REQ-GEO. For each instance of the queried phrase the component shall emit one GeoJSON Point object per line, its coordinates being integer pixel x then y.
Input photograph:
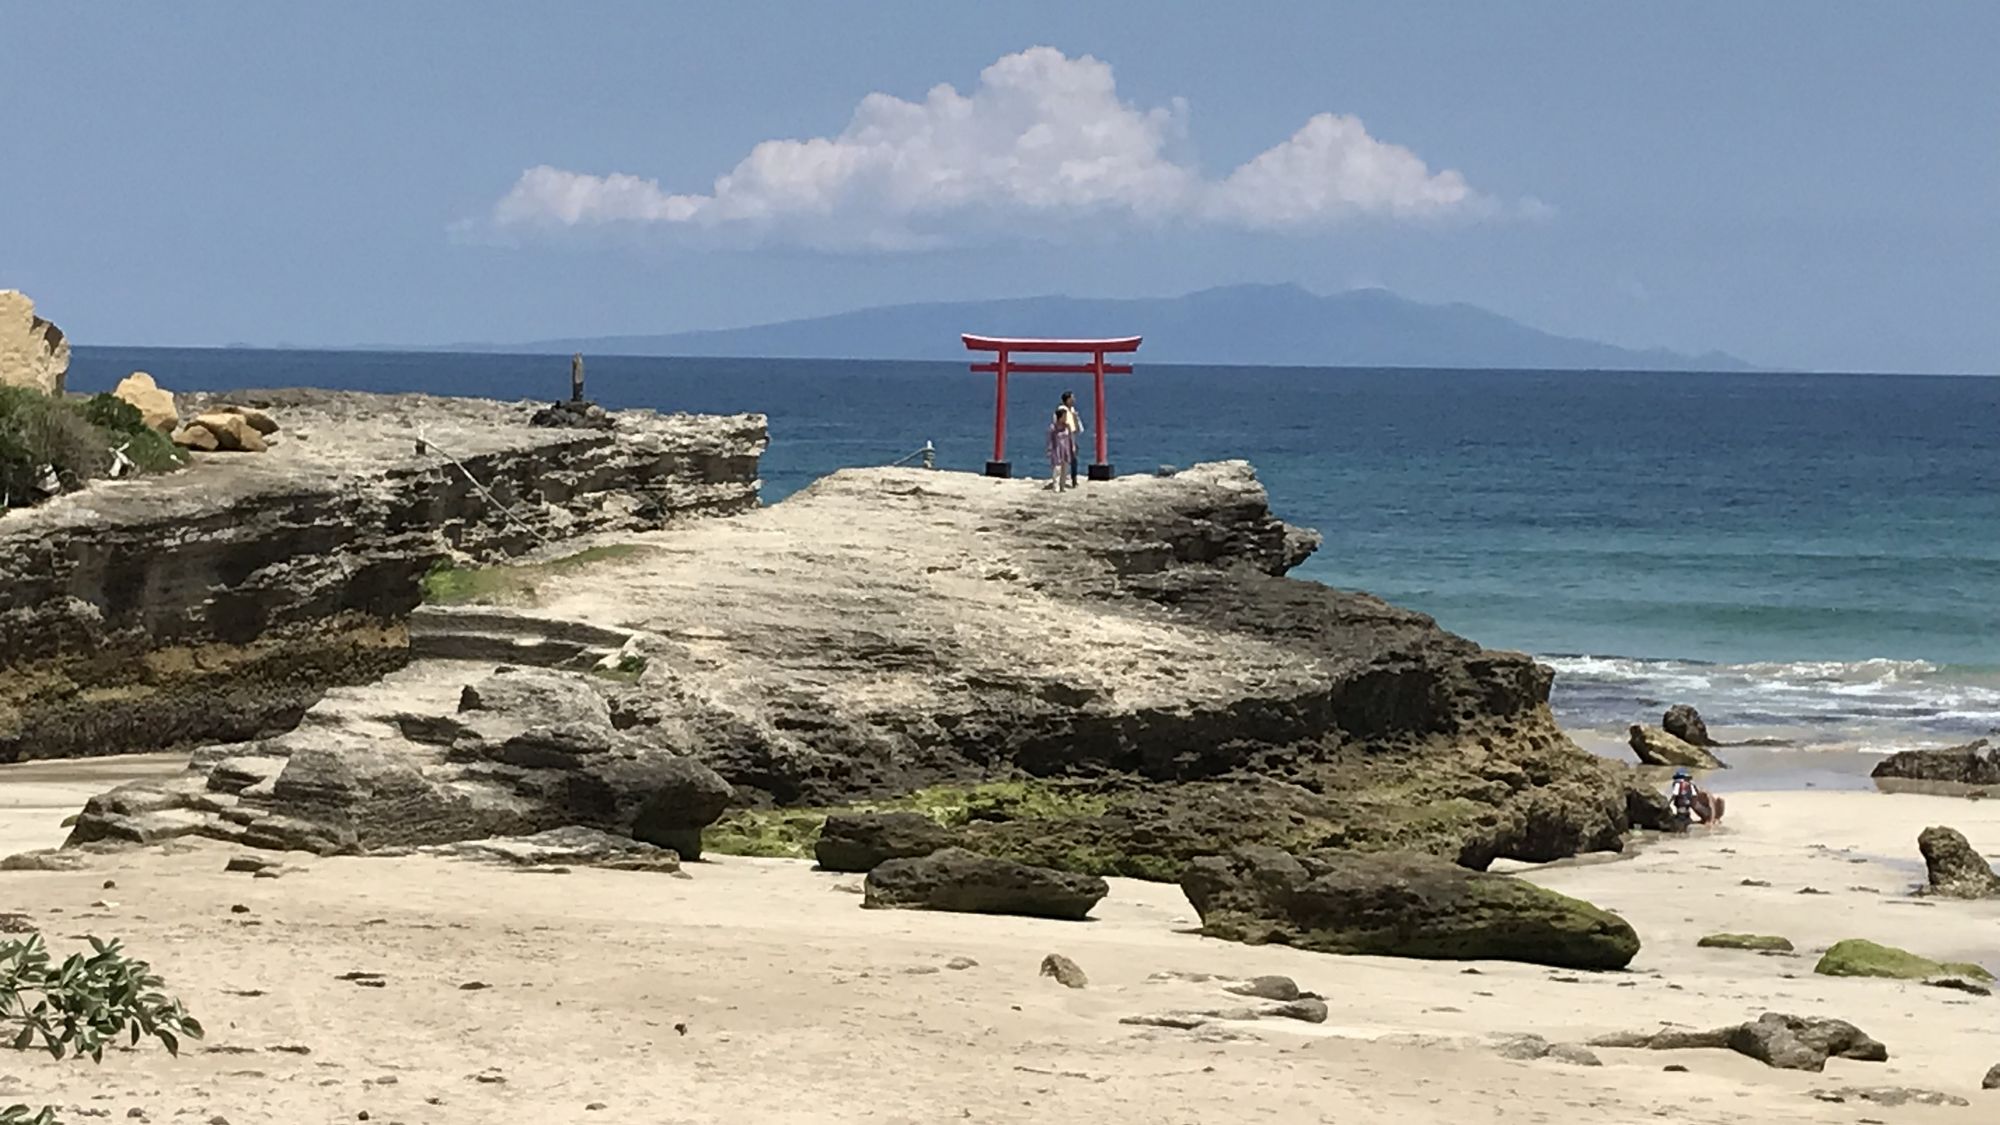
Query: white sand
{"type": "Point", "coordinates": [799, 1006]}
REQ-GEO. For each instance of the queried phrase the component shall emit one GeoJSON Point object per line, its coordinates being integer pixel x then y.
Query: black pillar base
{"type": "Point", "coordinates": [1001, 469]}
{"type": "Point", "coordinates": [1099, 470]}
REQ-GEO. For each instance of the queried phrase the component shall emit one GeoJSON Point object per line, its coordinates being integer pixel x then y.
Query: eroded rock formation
{"type": "Point", "coordinates": [217, 603]}
{"type": "Point", "coordinates": [33, 352]}
{"type": "Point", "coordinates": [1130, 658]}
{"type": "Point", "coordinates": [424, 759]}
{"type": "Point", "coordinates": [1954, 869]}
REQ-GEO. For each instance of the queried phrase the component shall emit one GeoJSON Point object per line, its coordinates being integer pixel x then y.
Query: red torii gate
{"type": "Point", "coordinates": [1002, 366]}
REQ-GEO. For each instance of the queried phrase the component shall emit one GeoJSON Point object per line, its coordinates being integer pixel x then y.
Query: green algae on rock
{"type": "Point", "coordinates": [1858, 957]}
{"type": "Point", "coordinates": [1762, 943]}
{"type": "Point", "coordinates": [1399, 905]}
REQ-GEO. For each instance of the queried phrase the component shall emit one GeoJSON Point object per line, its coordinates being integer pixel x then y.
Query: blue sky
{"type": "Point", "coordinates": [1811, 184]}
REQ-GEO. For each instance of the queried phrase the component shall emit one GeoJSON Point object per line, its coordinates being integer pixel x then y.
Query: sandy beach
{"type": "Point", "coordinates": [636, 997]}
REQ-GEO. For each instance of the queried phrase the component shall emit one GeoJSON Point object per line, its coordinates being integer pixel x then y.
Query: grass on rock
{"type": "Point", "coordinates": [791, 833]}
{"type": "Point", "coordinates": [487, 585]}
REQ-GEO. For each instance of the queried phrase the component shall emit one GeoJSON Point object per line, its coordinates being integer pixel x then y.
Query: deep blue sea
{"type": "Point", "coordinates": [1812, 557]}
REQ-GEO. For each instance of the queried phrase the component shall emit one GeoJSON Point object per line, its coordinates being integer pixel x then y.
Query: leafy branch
{"type": "Point", "coordinates": [76, 1008]}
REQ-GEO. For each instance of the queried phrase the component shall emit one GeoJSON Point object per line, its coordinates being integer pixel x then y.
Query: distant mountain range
{"type": "Point", "coordinates": [1237, 324]}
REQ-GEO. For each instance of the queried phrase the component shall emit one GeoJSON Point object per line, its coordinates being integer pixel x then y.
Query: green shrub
{"type": "Point", "coordinates": [109, 412]}
{"type": "Point", "coordinates": [80, 1006]}
{"type": "Point", "coordinates": [74, 439]}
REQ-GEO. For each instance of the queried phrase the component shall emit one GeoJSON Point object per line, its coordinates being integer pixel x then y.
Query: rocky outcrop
{"type": "Point", "coordinates": [1399, 905]}
{"type": "Point", "coordinates": [1132, 670]}
{"type": "Point", "coordinates": [1656, 747]}
{"type": "Point", "coordinates": [1975, 765]}
{"type": "Point", "coordinates": [886, 630]}
{"type": "Point", "coordinates": [217, 603]}
{"type": "Point", "coordinates": [1685, 723]}
{"type": "Point", "coordinates": [1955, 870]}
{"type": "Point", "coordinates": [424, 758]}
{"type": "Point", "coordinates": [862, 841]}
{"type": "Point", "coordinates": [155, 406]}
{"type": "Point", "coordinates": [969, 883]}
{"type": "Point", "coordinates": [33, 352]}
{"type": "Point", "coordinates": [1774, 1039]}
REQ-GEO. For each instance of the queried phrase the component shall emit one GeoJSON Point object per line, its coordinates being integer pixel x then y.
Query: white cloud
{"type": "Point", "coordinates": [1042, 141]}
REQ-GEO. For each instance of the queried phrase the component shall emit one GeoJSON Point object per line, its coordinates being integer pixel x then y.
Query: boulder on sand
{"type": "Point", "coordinates": [1974, 764]}
{"type": "Point", "coordinates": [1656, 747]}
{"type": "Point", "coordinates": [966, 882]}
{"type": "Point", "coordinates": [1858, 957]}
{"type": "Point", "coordinates": [1774, 1039]}
{"type": "Point", "coordinates": [862, 841]}
{"type": "Point", "coordinates": [155, 406]}
{"type": "Point", "coordinates": [1685, 723]}
{"type": "Point", "coordinates": [1956, 871]}
{"type": "Point", "coordinates": [1399, 905]}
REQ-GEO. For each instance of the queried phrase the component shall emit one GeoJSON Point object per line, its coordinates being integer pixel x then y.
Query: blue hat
{"type": "Point", "coordinates": [1682, 772]}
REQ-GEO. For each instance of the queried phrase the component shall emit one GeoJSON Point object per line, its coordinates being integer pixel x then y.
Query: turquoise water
{"type": "Point", "coordinates": [1813, 557]}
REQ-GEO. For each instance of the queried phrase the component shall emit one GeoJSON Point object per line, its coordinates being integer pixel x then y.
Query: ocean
{"type": "Point", "coordinates": [1812, 559]}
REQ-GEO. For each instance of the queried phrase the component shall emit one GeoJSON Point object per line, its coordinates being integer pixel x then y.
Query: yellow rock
{"type": "Point", "coordinates": [233, 432]}
{"type": "Point", "coordinates": [33, 352]}
{"type": "Point", "coordinates": [154, 405]}
{"type": "Point", "coordinates": [261, 422]}
{"type": "Point", "coordinates": [195, 437]}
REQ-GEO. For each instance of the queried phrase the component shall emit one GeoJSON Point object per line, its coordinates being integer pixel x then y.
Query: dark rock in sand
{"type": "Point", "coordinates": [1992, 1079]}
{"type": "Point", "coordinates": [1399, 905]}
{"type": "Point", "coordinates": [1774, 1039]}
{"type": "Point", "coordinates": [1656, 747]}
{"type": "Point", "coordinates": [1975, 764]}
{"type": "Point", "coordinates": [966, 882]}
{"type": "Point", "coordinates": [1266, 988]}
{"type": "Point", "coordinates": [1065, 971]}
{"type": "Point", "coordinates": [1956, 871]}
{"type": "Point", "coordinates": [1685, 723]}
{"type": "Point", "coordinates": [861, 841]}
